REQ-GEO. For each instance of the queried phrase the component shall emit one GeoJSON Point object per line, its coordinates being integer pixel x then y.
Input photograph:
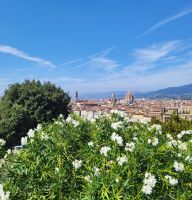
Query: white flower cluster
{"type": "Point", "coordinates": [24, 140]}
{"type": "Point", "coordinates": [188, 159]}
{"type": "Point", "coordinates": [2, 161]}
{"type": "Point", "coordinates": [179, 167]}
{"type": "Point", "coordinates": [90, 118]}
{"type": "Point", "coordinates": [77, 163]}
{"type": "Point", "coordinates": [171, 141]}
{"type": "Point", "coordinates": [116, 125]}
{"type": "Point", "coordinates": [172, 181]}
{"type": "Point", "coordinates": [3, 195]}
{"type": "Point", "coordinates": [157, 127]}
{"type": "Point", "coordinates": [88, 179]}
{"type": "Point", "coordinates": [90, 144]}
{"type": "Point", "coordinates": [39, 127]}
{"type": "Point", "coordinates": [144, 120]}
{"type": "Point", "coordinates": [121, 160]}
{"type": "Point", "coordinates": [118, 112]}
{"type": "Point", "coordinates": [182, 146]}
{"type": "Point", "coordinates": [117, 138]}
{"type": "Point", "coordinates": [96, 171]}
{"type": "Point", "coordinates": [31, 133]}
{"type": "Point", "coordinates": [104, 150]}
{"type": "Point", "coordinates": [182, 133]}
{"type": "Point", "coordinates": [149, 183]}
{"type": "Point", "coordinates": [130, 146]}
{"type": "Point", "coordinates": [2, 142]}
{"type": "Point", "coordinates": [59, 123]}
{"type": "Point", "coordinates": [44, 136]}
{"type": "Point", "coordinates": [74, 122]}
{"type": "Point", "coordinates": [153, 141]}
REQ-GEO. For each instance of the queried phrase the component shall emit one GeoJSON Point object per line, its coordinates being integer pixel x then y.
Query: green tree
{"type": "Point", "coordinates": [175, 124]}
{"type": "Point", "coordinates": [25, 105]}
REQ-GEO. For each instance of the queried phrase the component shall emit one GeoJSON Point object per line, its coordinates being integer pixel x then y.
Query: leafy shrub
{"type": "Point", "coordinates": [25, 105]}
{"type": "Point", "coordinates": [110, 158]}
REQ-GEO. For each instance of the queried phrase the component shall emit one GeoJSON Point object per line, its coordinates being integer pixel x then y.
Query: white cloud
{"type": "Point", "coordinates": [155, 51]}
{"type": "Point", "coordinates": [165, 21]}
{"type": "Point", "coordinates": [99, 61]}
{"type": "Point", "coordinates": [15, 52]}
{"type": "Point", "coordinates": [152, 56]}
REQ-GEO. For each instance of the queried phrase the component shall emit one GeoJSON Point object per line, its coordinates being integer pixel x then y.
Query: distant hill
{"type": "Point", "coordinates": [181, 92]}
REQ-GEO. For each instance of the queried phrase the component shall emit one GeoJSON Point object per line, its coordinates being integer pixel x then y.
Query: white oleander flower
{"type": "Point", "coordinates": [59, 123]}
{"type": "Point", "coordinates": [146, 189]}
{"type": "Point", "coordinates": [188, 159]}
{"type": "Point", "coordinates": [120, 113]}
{"type": "Point", "coordinates": [24, 140]}
{"type": "Point", "coordinates": [61, 116]}
{"type": "Point", "coordinates": [116, 125]}
{"type": "Point", "coordinates": [149, 141]}
{"type": "Point", "coordinates": [90, 144]}
{"type": "Point", "coordinates": [68, 119]}
{"type": "Point", "coordinates": [172, 143]}
{"type": "Point", "coordinates": [121, 160]}
{"type": "Point", "coordinates": [88, 179]}
{"type": "Point", "coordinates": [135, 138]}
{"type": "Point", "coordinates": [172, 181]}
{"type": "Point", "coordinates": [157, 127]}
{"type": "Point", "coordinates": [179, 167]}
{"type": "Point", "coordinates": [9, 151]}
{"type": "Point", "coordinates": [104, 150]}
{"type": "Point", "coordinates": [31, 133]}
{"type": "Point", "coordinates": [117, 138]}
{"type": "Point", "coordinates": [3, 195]}
{"type": "Point", "coordinates": [179, 135]}
{"type": "Point", "coordinates": [130, 146]}
{"type": "Point", "coordinates": [39, 127]}
{"type": "Point", "coordinates": [2, 161]}
{"type": "Point", "coordinates": [149, 183]}
{"type": "Point", "coordinates": [117, 180]}
{"type": "Point", "coordinates": [2, 142]}
{"type": "Point", "coordinates": [5, 156]}
{"type": "Point", "coordinates": [179, 155]}
{"type": "Point", "coordinates": [155, 141]}
{"type": "Point", "coordinates": [75, 123]}
{"type": "Point", "coordinates": [56, 169]}
{"type": "Point", "coordinates": [44, 136]}
{"type": "Point", "coordinates": [182, 146]}
{"type": "Point", "coordinates": [96, 171]}
{"type": "Point", "coordinates": [169, 136]}
{"type": "Point", "coordinates": [77, 163]}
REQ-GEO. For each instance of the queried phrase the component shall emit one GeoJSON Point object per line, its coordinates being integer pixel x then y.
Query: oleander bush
{"type": "Point", "coordinates": [109, 158]}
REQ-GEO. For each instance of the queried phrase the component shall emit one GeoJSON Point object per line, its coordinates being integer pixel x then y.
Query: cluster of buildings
{"type": "Point", "coordinates": [136, 109]}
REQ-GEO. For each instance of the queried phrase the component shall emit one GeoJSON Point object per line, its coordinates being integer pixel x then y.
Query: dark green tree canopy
{"type": "Point", "coordinates": [25, 105]}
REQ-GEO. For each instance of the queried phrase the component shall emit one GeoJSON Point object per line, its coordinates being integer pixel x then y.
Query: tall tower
{"type": "Point", "coordinates": [113, 99]}
{"type": "Point", "coordinates": [76, 96]}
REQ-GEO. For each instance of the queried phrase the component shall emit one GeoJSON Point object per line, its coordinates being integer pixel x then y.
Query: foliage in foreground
{"type": "Point", "coordinates": [25, 105]}
{"type": "Point", "coordinates": [110, 158]}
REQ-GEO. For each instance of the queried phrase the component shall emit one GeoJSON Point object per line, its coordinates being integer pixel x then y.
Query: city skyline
{"type": "Point", "coordinates": [96, 46]}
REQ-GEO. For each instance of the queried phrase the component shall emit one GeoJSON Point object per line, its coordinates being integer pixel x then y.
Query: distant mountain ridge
{"type": "Point", "coordinates": [181, 92]}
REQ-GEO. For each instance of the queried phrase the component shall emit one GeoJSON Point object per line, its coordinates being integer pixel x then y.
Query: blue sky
{"type": "Point", "coordinates": [97, 45]}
